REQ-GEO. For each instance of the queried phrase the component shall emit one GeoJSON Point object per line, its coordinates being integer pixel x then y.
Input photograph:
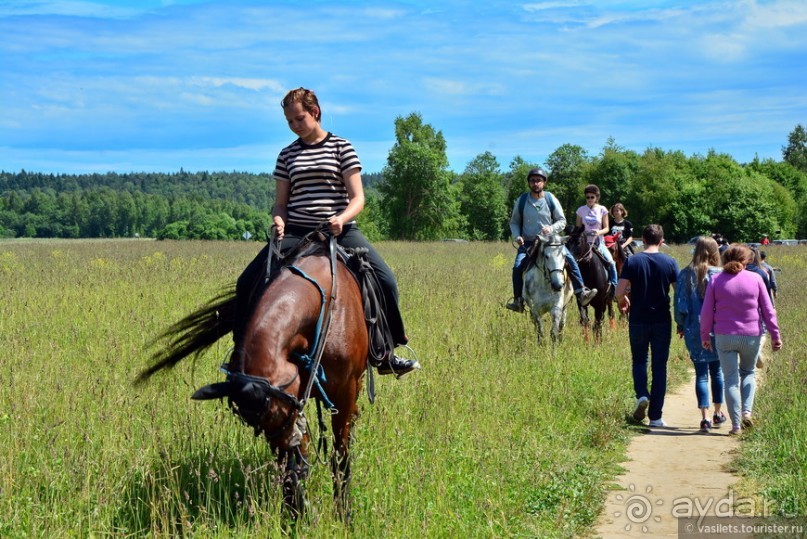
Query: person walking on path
{"type": "Point", "coordinates": [771, 273]}
{"type": "Point", "coordinates": [735, 305]}
{"type": "Point", "coordinates": [648, 277]}
{"type": "Point", "coordinates": [538, 212]}
{"type": "Point", "coordinates": [689, 291]}
{"type": "Point", "coordinates": [756, 266]}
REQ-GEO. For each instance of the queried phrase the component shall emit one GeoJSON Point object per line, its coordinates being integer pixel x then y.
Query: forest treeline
{"type": "Point", "coordinates": [416, 196]}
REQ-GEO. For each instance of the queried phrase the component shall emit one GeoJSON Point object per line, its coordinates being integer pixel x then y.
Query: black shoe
{"type": "Point", "coordinates": [516, 305]}
{"type": "Point", "coordinates": [398, 366]}
{"type": "Point", "coordinates": [586, 295]}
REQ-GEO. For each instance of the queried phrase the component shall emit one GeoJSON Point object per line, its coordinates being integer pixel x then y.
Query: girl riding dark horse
{"type": "Point", "coordinates": [595, 275]}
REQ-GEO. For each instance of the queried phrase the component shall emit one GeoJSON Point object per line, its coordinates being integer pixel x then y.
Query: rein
{"type": "Point", "coordinates": [314, 363]}
{"type": "Point", "coordinates": [311, 362]}
{"type": "Point", "coordinates": [548, 272]}
{"type": "Point", "coordinates": [532, 255]}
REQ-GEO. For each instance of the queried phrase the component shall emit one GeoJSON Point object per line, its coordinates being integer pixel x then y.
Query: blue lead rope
{"type": "Point", "coordinates": [306, 360]}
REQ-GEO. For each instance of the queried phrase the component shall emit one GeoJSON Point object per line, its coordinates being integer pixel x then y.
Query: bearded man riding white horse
{"type": "Point", "coordinates": [538, 213]}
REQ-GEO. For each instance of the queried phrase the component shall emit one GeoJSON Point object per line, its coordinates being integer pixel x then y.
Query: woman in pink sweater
{"type": "Point", "coordinates": [734, 307]}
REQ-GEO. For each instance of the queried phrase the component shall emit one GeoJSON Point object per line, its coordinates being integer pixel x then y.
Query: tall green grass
{"type": "Point", "coordinates": [495, 437]}
{"type": "Point", "coordinates": [773, 459]}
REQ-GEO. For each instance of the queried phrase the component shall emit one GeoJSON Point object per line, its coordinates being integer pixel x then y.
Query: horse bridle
{"type": "Point", "coordinates": [312, 363]}
{"type": "Point", "coordinates": [548, 272]}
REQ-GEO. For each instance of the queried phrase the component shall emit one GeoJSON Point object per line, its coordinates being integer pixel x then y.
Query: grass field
{"type": "Point", "coordinates": [495, 437]}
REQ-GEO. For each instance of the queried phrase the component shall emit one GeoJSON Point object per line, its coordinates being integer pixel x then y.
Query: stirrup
{"type": "Point", "coordinates": [404, 366]}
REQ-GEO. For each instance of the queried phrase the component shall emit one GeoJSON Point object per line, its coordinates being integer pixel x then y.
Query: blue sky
{"type": "Point", "coordinates": [149, 85]}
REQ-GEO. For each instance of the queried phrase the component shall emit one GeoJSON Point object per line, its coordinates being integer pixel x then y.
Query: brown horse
{"type": "Point", "coordinates": [595, 275]}
{"type": "Point", "coordinates": [309, 319]}
{"type": "Point", "coordinates": [612, 243]}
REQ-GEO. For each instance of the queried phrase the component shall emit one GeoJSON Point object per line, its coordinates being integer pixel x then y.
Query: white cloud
{"type": "Point", "coordinates": [459, 87]}
{"type": "Point", "coordinates": [542, 6]}
{"type": "Point", "coordinates": [382, 13]}
{"type": "Point", "coordinates": [64, 7]}
{"type": "Point", "coordinates": [247, 83]}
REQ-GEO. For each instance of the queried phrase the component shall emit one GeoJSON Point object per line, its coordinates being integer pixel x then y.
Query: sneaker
{"type": "Point", "coordinates": [585, 295]}
{"type": "Point", "coordinates": [718, 419]}
{"type": "Point", "coordinates": [657, 423]}
{"type": "Point", "coordinates": [760, 362]}
{"type": "Point", "coordinates": [516, 305]}
{"type": "Point", "coordinates": [747, 421]}
{"type": "Point", "coordinates": [398, 366]}
{"type": "Point", "coordinates": [735, 431]}
{"type": "Point", "coordinates": [706, 425]}
{"type": "Point", "coordinates": [641, 408]}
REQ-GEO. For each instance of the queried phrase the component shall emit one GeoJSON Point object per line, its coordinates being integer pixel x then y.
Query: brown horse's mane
{"type": "Point", "coordinates": [313, 245]}
{"type": "Point", "coordinates": [198, 331]}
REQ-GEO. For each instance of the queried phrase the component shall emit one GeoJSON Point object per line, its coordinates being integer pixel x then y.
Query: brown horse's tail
{"type": "Point", "coordinates": [193, 334]}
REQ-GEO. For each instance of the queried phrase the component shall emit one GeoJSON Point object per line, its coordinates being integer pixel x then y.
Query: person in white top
{"type": "Point", "coordinates": [594, 217]}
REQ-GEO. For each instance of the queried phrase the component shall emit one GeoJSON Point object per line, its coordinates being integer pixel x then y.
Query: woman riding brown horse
{"type": "Point", "coordinates": [306, 337]}
{"type": "Point", "coordinates": [595, 275]}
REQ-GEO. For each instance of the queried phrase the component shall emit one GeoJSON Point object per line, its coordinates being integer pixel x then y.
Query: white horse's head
{"type": "Point", "coordinates": [551, 259]}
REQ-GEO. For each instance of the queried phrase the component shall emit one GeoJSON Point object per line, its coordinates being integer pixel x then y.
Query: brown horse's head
{"type": "Point", "coordinates": [578, 245]}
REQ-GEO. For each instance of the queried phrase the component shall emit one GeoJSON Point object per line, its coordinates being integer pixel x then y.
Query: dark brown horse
{"type": "Point", "coordinates": [595, 275]}
{"type": "Point", "coordinates": [310, 317]}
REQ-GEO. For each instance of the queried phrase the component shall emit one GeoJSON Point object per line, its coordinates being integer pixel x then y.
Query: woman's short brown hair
{"type": "Point", "coordinates": [307, 98]}
{"type": "Point", "coordinates": [593, 189]}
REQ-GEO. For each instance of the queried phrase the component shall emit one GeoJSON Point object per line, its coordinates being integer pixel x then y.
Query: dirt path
{"type": "Point", "coordinates": [677, 466]}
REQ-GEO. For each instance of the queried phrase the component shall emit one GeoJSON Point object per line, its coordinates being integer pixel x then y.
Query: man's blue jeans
{"type": "Point", "coordinates": [655, 339]}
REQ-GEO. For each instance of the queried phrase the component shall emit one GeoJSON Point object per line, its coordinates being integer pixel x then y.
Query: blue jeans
{"type": "Point", "coordinates": [738, 358]}
{"type": "Point", "coordinates": [518, 270]}
{"type": "Point", "coordinates": [656, 339]}
{"type": "Point", "coordinates": [704, 370]}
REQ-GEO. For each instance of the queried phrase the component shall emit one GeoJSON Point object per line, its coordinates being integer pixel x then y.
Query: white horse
{"type": "Point", "coordinates": [547, 287]}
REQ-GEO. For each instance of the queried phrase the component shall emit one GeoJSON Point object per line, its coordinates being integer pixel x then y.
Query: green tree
{"type": "Point", "coordinates": [568, 168]}
{"type": "Point", "coordinates": [371, 220]}
{"type": "Point", "coordinates": [419, 200]}
{"type": "Point", "coordinates": [482, 198]}
{"type": "Point", "coordinates": [794, 182]}
{"type": "Point", "coordinates": [658, 179]}
{"type": "Point", "coordinates": [740, 201]}
{"type": "Point", "coordinates": [795, 152]}
{"type": "Point", "coordinates": [613, 172]}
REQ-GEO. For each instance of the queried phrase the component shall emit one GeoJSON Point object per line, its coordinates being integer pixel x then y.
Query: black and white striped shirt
{"type": "Point", "coordinates": [317, 191]}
